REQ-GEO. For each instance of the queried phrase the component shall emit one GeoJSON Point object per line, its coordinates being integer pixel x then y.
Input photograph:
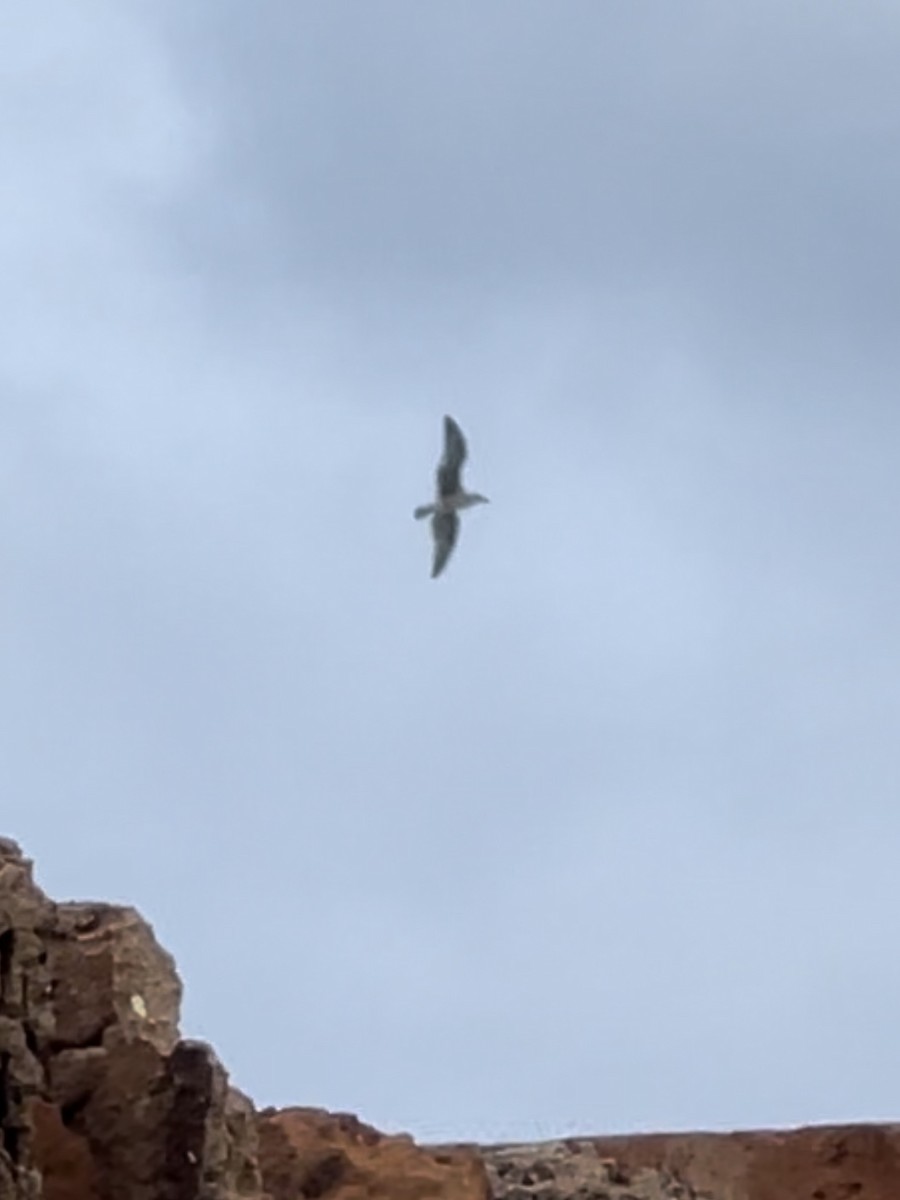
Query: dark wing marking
{"type": "Point", "coordinates": [450, 469]}
{"type": "Point", "coordinates": [444, 528]}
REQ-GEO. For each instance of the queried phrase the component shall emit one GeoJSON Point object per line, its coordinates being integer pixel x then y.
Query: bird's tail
{"type": "Point", "coordinates": [424, 510]}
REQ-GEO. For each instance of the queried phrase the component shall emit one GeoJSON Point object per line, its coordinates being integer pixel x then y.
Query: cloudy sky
{"type": "Point", "coordinates": [599, 831]}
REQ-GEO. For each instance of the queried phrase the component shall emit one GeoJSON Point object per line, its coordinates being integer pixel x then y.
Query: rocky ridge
{"type": "Point", "coordinates": [101, 1099]}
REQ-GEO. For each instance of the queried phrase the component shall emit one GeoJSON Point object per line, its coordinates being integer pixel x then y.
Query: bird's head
{"type": "Point", "coordinates": [477, 498]}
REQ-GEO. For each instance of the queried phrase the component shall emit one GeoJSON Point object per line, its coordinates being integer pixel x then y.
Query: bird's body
{"type": "Point", "coordinates": [450, 497]}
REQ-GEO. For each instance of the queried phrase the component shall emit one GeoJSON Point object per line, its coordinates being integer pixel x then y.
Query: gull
{"type": "Point", "coordinates": [450, 497]}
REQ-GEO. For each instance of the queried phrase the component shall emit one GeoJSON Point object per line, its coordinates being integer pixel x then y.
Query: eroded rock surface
{"type": "Point", "coordinates": [847, 1162]}
{"type": "Point", "coordinates": [305, 1152]}
{"type": "Point", "coordinates": [575, 1169]}
{"type": "Point", "coordinates": [818, 1163]}
{"type": "Point", "coordinates": [99, 1098]}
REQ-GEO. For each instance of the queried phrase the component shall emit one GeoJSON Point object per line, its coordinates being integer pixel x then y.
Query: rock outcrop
{"type": "Point", "coordinates": [577, 1169]}
{"type": "Point", "coordinates": [848, 1162]}
{"type": "Point", "coordinates": [821, 1162]}
{"type": "Point", "coordinates": [307, 1152]}
{"type": "Point", "coordinates": [101, 1099]}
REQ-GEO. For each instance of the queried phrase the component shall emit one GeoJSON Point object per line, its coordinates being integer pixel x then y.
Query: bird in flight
{"type": "Point", "coordinates": [450, 497]}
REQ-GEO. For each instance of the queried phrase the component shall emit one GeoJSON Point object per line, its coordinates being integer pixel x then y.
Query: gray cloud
{"type": "Point", "coordinates": [598, 832]}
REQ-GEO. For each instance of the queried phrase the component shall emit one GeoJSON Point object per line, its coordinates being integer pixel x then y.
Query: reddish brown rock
{"type": "Point", "coordinates": [817, 1163]}
{"type": "Point", "coordinates": [306, 1153]}
{"type": "Point", "coordinates": [850, 1162]}
{"type": "Point", "coordinates": [68, 1170]}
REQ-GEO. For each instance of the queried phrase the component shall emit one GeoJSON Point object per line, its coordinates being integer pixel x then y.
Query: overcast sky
{"type": "Point", "coordinates": [599, 831]}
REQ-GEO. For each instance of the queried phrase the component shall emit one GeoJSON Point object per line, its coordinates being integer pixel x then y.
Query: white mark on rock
{"type": "Point", "coordinates": [138, 1006]}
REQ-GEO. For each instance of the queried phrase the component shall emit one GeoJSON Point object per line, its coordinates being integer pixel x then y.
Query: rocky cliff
{"type": "Point", "coordinates": [100, 1099]}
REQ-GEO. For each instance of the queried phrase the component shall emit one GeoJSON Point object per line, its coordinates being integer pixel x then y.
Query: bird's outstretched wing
{"type": "Point", "coordinates": [444, 529]}
{"type": "Point", "coordinates": [450, 468]}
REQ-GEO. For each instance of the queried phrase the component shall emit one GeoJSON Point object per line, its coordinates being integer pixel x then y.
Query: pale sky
{"type": "Point", "coordinates": [599, 831]}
